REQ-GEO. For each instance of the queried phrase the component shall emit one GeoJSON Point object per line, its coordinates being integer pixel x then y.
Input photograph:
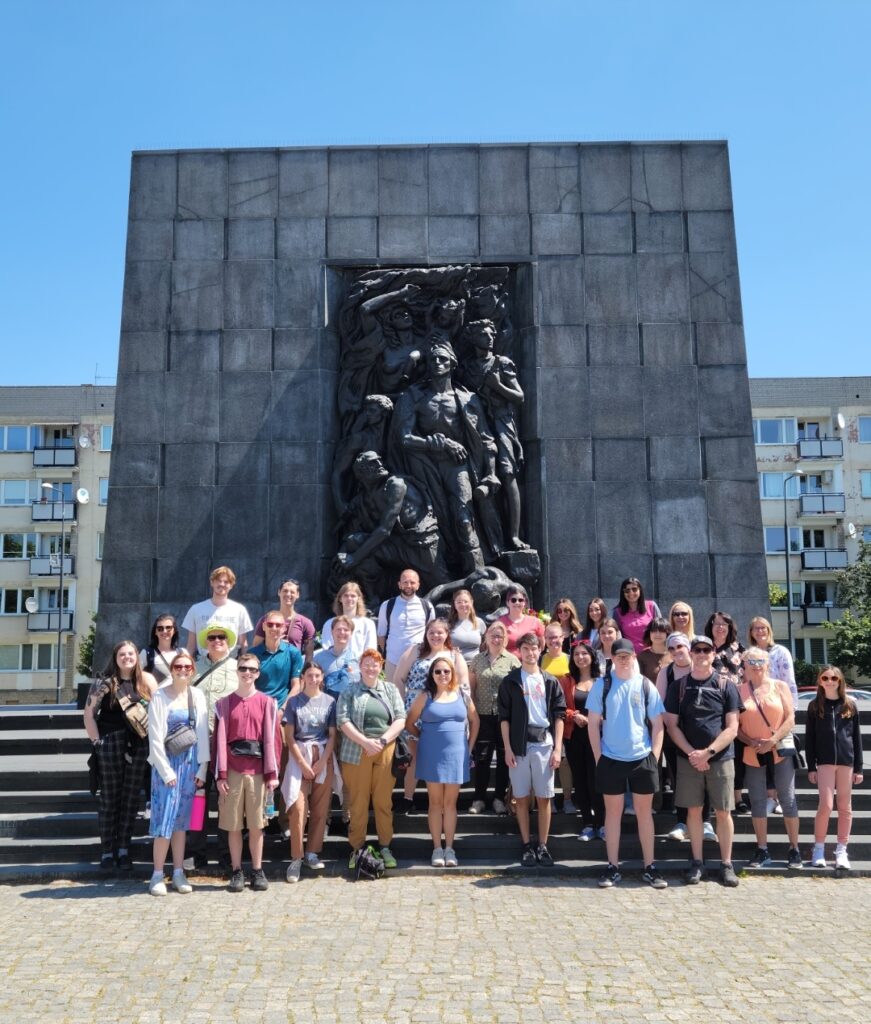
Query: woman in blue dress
{"type": "Point", "coordinates": [175, 777]}
{"type": "Point", "coordinates": [446, 722]}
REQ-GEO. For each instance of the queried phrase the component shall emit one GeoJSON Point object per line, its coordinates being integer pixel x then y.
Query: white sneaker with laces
{"type": "Point", "coordinates": [679, 832]}
{"type": "Point", "coordinates": [478, 807]}
{"type": "Point", "coordinates": [313, 862]}
{"type": "Point", "coordinates": [293, 871]}
{"type": "Point", "coordinates": [842, 861]}
{"type": "Point", "coordinates": [818, 857]}
{"type": "Point", "coordinates": [180, 883]}
{"type": "Point", "coordinates": [438, 857]}
{"type": "Point", "coordinates": [770, 804]}
{"type": "Point", "coordinates": [157, 885]}
{"type": "Point", "coordinates": [450, 857]}
{"type": "Point", "coordinates": [708, 831]}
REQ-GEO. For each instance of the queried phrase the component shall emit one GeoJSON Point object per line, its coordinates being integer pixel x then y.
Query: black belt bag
{"type": "Point", "coordinates": [536, 734]}
{"type": "Point", "coordinates": [246, 748]}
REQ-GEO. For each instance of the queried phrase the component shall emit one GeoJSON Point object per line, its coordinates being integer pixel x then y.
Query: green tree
{"type": "Point", "coordinates": [776, 595]}
{"type": "Point", "coordinates": [85, 664]}
{"type": "Point", "coordinates": [850, 644]}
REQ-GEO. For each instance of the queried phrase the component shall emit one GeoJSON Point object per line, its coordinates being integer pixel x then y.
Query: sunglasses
{"type": "Point", "coordinates": [701, 650]}
{"type": "Point", "coordinates": [516, 600]}
{"type": "Point", "coordinates": [247, 668]}
{"type": "Point", "coordinates": [681, 615]}
{"type": "Point", "coordinates": [441, 672]}
{"type": "Point", "coordinates": [213, 638]}
{"type": "Point", "coordinates": [755, 662]}
{"type": "Point", "coordinates": [829, 679]}
{"type": "Point", "coordinates": [274, 625]}
{"type": "Point", "coordinates": [163, 629]}
{"type": "Point", "coordinates": [182, 668]}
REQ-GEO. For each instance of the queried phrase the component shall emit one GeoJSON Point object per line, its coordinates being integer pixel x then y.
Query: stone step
{"type": "Point", "coordinates": [39, 716]}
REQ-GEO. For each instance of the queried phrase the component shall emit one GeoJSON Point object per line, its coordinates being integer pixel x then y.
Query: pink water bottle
{"type": "Point", "coordinates": [198, 811]}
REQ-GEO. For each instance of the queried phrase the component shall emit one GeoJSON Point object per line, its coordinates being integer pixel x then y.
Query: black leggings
{"type": "Point", "coordinates": [579, 754]}
{"type": "Point", "coordinates": [490, 740]}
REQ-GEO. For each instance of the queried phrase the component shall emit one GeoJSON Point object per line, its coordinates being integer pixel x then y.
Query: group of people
{"type": "Point", "coordinates": [619, 707]}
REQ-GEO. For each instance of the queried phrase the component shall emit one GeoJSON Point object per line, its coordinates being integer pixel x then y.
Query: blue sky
{"type": "Point", "coordinates": [83, 84]}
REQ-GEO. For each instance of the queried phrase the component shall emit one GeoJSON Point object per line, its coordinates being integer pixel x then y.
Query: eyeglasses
{"type": "Point", "coordinates": [755, 662]}
{"type": "Point", "coordinates": [182, 668]}
{"type": "Point", "coordinates": [441, 672]}
{"type": "Point", "coordinates": [213, 638]}
{"type": "Point", "coordinates": [829, 679]}
{"type": "Point", "coordinates": [274, 625]}
{"type": "Point", "coordinates": [247, 668]}
{"type": "Point", "coordinates": [163, 629]}
{"type": "Point", "coordinates": [517, 600]}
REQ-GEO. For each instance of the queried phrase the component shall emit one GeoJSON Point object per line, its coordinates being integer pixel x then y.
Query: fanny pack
{"type": "Point", "coordinates": [536, 734]}
{"type": "Point", "coordinates": [135, 710]}
{"type": "Point", "coordinates": [246, 748]}
{"type": "Point", "coordinates": [183, 736]}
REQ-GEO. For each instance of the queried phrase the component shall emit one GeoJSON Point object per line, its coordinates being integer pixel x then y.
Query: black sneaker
{"type": "Point", "coordinates": [653, 878]}
{"type": "Point", "coordinates": [542, 855]}
{"type": "Point", "coordinates": [693, 874]}
{"type": "Point", "coordinates": [107, 862]}
{"type": "Point", "coordinates": [760, 859]}
{"type": "Point", "coordinates": [201, 861]}
{"type": "Point", "coordinates": [728, 876]}
{"type": "Point", "coordinates": [124, 862]}
{"type": "Point", "coordinates": [610, 876]}
{"type": "Point", "coordinates": [259, 881]}
{"type": "Point", "coordinates": [793, 859]}
{"type": "Point", "coordinates": [237, 881]}
{"type": "Point", "coordinates": [742, 807]}
{"type": "Point", "coordinates": [528, 858]}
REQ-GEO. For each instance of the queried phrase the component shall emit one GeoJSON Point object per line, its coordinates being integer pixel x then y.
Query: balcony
{"type": "Point", "coordinates": [817, 614]}
{"type": "Point", "coordinates": [821, 448]}
{"type": "Point", "coordinates": [50, 566]}
{"type": "Point", "coordinates": [51, 456]}
{"type": "Point", "coordinates": [53, 511]}
{"type": "Point", "coordinates": [821, 504]}
{"type": "Point", "coordinates": [47, 622]}
{"type": "Point", "coordinates": [824, 558]}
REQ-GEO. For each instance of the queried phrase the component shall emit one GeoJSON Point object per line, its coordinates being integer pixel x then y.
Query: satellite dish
{"type": "Point", "coordinates": [82, 496]}
{"type": "Point", "coordinates": [31, 604]}
{"type": "Point", "coordinates": [840, 422]}
{"type": "Point", "coordinates": [84, 441]}
{"type": "Point", "coordinates": [851, 530]}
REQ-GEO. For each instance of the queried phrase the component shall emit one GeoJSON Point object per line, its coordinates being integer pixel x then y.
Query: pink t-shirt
{"type": "Point", "coordinates": [633, 623]}
{"type": "Point", "coordinates": [525, 624]}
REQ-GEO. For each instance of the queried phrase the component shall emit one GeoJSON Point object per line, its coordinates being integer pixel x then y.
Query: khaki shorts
{"type": "Point", "coordinates": [243, 804]}
{"type": "Point", "coordinates": [718, 781]}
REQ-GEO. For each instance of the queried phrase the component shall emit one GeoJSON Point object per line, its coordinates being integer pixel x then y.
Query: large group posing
{"type": "Point", "coordinates": [619, 705]}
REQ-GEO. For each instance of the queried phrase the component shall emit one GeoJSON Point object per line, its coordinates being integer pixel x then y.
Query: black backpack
{"type": "Point", "coordinates": [391, 604]}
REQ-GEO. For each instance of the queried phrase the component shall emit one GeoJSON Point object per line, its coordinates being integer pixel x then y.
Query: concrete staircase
{"type": "Point", "coordinates": [48, 819]}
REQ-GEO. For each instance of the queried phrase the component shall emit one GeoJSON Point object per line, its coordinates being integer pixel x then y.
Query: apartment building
{"type": "Point", "coordinates": [813, 455]}
{"type": "Point", "coordinates": [55, 445]}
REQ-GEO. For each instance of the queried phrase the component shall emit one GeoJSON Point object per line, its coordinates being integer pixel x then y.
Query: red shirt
{"type": "Point", "coordinates": [525, 624]}
{"type": "Point", "coordinates": [248, 718]}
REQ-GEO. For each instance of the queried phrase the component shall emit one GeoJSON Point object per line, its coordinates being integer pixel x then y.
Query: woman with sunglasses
{"type": "Point", "coordinates": [597, 612]}
{"type": "Point", "coordinates": [723, 633]}
{"type": "Point", "coordinates": [162, 648]}
{"type": "Point", "coordinates": [833, 745]}
{"type": "Point", "coordinates": [780, 665]}
{"type": "Point", "coordinates": [682, 620]}
{"type": "Point", "coordinates": [566, 616]}
{"type": "Point", "coordinates": [446, 723]}
{"type": "Point", "coordinates": [766, 719]}
{"type": "Point", "coordinates": [583, 669]}
{"type": "Point", "coordinates": [517, 619]}
{"type": "Point", "coordinates": [634, 613]}
{"type": "Point", "coordinates": [175, 778]}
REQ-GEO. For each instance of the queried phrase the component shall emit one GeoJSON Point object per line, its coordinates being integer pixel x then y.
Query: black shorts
{"type": "Point", "coordinates": [641, 775]}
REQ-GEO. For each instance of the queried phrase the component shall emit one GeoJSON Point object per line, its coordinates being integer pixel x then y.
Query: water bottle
{"type": "Point", "coordinates": [270, 811]}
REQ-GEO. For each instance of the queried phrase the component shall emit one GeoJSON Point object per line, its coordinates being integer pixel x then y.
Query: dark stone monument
{"type": "Point", "coordinates": [541, 344]}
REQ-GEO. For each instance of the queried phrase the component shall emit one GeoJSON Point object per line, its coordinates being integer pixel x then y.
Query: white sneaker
{"type": "Point", "coordinates": [438, 857]}
{"type": "Point", "coordinates": [842, 861]}
{"type": "Point", "coordinates": [157, 885]}
{"type": "Point", "coordinates": [818, 857]}
{"type": "Point", "coordinates": [478, 807]}
{"type": "Point", "coordinates": [499, 807]}
{"type": "Point", "coordinates": [587, 834]}
{"type": "Point", "coordinates": [188, 864]}
{"type": "Point", "coordinates": [180, 883]}
{"type": "Point", "coordinates": [770, 805]}
{"type": "Point", "coordinates": [708, 831]}
{"type": "Point", "coordinates": [569, 807]}
{"type": "Point", "coordinates": [450, 857]}
{"type": "Point", "coordinates": [313, 862]}
{"type": "Point", "coordinates": [629, 809]}
{"type": "Point", "coordinates": [293, 870]}
{"type": "Point", "coordinates": [679, 832]}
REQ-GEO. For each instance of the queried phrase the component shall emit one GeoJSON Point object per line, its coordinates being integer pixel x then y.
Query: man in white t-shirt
{"type": "Point", "coordinates": [219, 610]}
{"type": "Point", "coordinates": [402, 621]}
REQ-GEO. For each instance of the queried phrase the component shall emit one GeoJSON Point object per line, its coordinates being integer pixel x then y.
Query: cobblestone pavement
{"type": "Point", "coordinates": [448, 950]}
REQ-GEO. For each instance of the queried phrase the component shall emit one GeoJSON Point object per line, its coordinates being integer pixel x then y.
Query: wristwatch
{"type": "Point", "coordinates": [711, 752]}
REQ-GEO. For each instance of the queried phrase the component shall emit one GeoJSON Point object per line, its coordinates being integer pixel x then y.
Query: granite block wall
{"type": "Point", "coordinates": [629, 341]}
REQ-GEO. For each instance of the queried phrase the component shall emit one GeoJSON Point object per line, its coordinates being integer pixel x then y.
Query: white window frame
{"type": "Point", "coordinates": [792, 486]}
{"type": "Point", "coordinates": [865, 483]}
{"type": "Point", "coordinates": [794, 541]}
{"type": "Point", "coordinates": [26, 540]}
{"type": "Point", "coordinates": [796, 588]}
{"type": "Point", "coordinates": [104, 490]}
{"type": "Point", "coordinates": [31, 493]}
{"type": "Point", "coordinates": [864, 429]}
{"type": "Point", "coordinates": [786, 428]}
{"type": "Point", "coordinates": [106, 437]}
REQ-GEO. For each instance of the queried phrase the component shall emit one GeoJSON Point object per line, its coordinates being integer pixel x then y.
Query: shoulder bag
{"type": "Point", "coordinates": [183, 736]}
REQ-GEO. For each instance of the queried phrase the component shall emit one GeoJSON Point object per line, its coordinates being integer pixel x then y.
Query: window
{"type": "Point", "coordinates": [100, 541]}
{"type": "Point", "coordinates": [18, 545]}
{"type": "Point", "coordinates": [48, 600]}
{"type": "Point", "coordinates": [49, 544]}
{"type": "Point", "coordinates": [795, 587]}
{"type": "Point", "coordinates": [57, 437]}
{"type": "Point", "coordinates": [815, 593]}
{"type": "Point", "coordinates": [774, 539]}
{"type": "Point", "coordinates": [813, 538]}
{"type": "Point", "coordinates": [106, 438]}
{"type": "Point", "coordinates": [104, 490]}
{"type": "Point", "coordinates": [771, 485]}
{"type": "Point", "coordinates": [779, 431]}
{"type": "Point", "coordinates": [58, 488]}
{"type": "Point", "coordinates": [866, 534]}
{"type": "Point", "coordinates": [13, 601]}
{"type": "Point", "coordinates": [818, 652]}
{"type": "Point", "coordinates": [18, 492]}
{"type": "Point", "coordinates": [808, 430]}
{"type": "Point", "coordinates": [10, 657]}
{"type": "Point", "coordinates": [20, 658]}
{"type": "Point", "coordinates": [865, 429]}
{"type": "Point", "coordinates": [16, 439]}
{"type": "Point", "coordinates": [865, 479]}
{"type": "Point", "coordinates": [812, 483]}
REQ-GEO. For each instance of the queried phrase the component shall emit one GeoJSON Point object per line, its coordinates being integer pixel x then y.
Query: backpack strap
{"type": "Point", "coordinates": [391, 604]}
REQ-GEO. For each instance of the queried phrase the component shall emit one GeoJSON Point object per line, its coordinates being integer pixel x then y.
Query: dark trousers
{"type": "Point", "coordinates": [197, 841]}
{"type": "Point", "coordinates": [123, 764]}
{"type": "Point", "coordinates": [589, 802]}
{"type": "Point", "coordinates": [490, 740]}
